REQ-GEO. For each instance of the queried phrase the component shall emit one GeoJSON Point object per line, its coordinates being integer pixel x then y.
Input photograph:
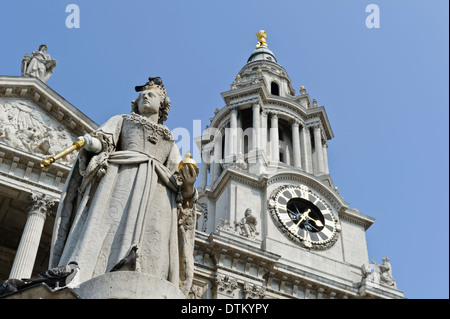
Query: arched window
{"type": "Point", "coordinates": [274, 89]}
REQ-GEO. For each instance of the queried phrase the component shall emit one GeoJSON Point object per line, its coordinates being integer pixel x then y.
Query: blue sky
{"type": "Point", "coordinates": [385, 91]}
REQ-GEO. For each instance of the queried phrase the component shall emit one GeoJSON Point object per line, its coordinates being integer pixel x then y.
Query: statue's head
{"type": "Point", "coordinates": [152, 94]}
{"type": "Point", "coordinates": [42, 47]}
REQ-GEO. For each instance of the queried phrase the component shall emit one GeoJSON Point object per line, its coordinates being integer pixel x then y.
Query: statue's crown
{"type": "Point", "coordinates": [153, 83]}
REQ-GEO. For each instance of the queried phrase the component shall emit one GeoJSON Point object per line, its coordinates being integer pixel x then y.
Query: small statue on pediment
{"type": "Point", "coordinates": [39, 64]}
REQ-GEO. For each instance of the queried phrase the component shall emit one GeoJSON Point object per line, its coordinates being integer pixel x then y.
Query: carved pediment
{"type": "Point", "coordinates": [25, 126]}
{"type": "Point", "coordinates": [37, 120]}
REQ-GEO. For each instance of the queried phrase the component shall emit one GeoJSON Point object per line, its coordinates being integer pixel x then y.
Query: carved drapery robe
{"type": "Point", "coordinates": [39, 65]}
{"type": "Point", "coordinates": [124, 196]}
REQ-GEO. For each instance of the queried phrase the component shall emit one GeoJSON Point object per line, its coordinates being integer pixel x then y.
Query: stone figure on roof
{"type": "Point", "coordinates": [39, 64]}
{"type": "Point", "coordinates": [128, 191]}
{"type": "Point", "coordinates": [381, 274]}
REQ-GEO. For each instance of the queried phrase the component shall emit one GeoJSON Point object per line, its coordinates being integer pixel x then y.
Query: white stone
{"type": "Point", "coordinates": [128, 285]}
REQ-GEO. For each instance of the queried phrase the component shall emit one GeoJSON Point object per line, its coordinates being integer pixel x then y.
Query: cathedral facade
{"type": "Point", "coordinates": [272, 225]}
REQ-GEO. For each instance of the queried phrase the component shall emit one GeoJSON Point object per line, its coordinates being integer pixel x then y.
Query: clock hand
{"type": "Point", "coordinates": [316, 221]}
{"type": "Point", "coordinates": [298, 212]}
{"type": "Point", "coordinates": [294, 214]}
{"type": "Point", "coordinates": [310, 225]}
{"type": "Point", "coordinates": [303, 216]}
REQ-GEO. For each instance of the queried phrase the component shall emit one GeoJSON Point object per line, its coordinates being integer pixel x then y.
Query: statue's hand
{"type": "Point", "coordinates": [92, 144]}
{"type": "Point", "coordinates": [188, 175]}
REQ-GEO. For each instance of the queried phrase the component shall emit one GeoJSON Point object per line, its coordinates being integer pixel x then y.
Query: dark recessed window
{"type": "Point", "coordinates": [274, 89]}
{"type": "Point", "coordinates": [282, 157]}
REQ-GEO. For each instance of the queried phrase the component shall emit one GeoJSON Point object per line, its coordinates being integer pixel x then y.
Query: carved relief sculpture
{"type": "Point", "coordinates": [125, 190]}
{"type": "Point", "coordinates": [381, 274]}
{"type": "Point", "coordinates": [247, 225]}
{"type": "Point", "coordinates": [225, 285]}
{"type": "Point", "coordinates": [252, 291]}
{"type": "Point", "coordinates": [24, 127]}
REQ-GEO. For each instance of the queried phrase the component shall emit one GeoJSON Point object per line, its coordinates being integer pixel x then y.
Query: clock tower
{"type": "Point", "coordinates": [273, 225]}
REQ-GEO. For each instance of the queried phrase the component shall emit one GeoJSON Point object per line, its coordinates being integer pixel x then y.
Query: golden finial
{"type": "Point", "coordinates": [302, 89]}
{"type": "Point", "coordinates": [262, 36]}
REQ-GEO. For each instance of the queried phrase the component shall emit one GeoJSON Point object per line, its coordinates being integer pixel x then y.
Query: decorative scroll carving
{"type": "Point", "coordinates": [202, 208]}
{"type": "Point", "coordinates": [41, 203]}
{"type": "Point", "coordinates": [224, 224]}
{"type": "Point", "coordinates": [254, 291]}
{"type": "Point", "coordinates": [225, 284]}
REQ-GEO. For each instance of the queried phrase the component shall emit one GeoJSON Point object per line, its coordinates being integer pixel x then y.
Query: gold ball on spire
{"type": "Point", "coordinates": [262, 36]}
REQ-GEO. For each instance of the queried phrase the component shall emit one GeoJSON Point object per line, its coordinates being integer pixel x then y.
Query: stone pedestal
{"type": "Point", "coordinates": [127, 285]}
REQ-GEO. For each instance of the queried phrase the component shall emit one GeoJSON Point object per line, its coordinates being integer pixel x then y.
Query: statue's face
{"type": "Point", "coordinates": [149, 102]}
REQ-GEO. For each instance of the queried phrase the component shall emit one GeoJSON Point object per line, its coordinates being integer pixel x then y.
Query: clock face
{"type": "Point", "coordinates": [304, 216]}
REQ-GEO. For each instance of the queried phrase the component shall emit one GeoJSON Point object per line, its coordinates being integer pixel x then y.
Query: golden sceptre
{"type": "Point", "coordinates": [75, 146]}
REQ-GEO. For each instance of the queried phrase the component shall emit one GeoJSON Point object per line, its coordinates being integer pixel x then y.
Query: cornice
{"type": "Point", "coordinates": [355, 217]}
{"type": "Point", "coordinates": [24, 164]}
{"type": "Point", "coordinates": [232, 174]}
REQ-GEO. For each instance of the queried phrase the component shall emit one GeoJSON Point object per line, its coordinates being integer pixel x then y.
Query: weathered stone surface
{"type": "Point", "coordinates": [128, 285]}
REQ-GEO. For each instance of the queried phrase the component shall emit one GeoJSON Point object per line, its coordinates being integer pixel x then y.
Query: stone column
{"type": "Point", "coordinates": [217, 157]}
{"type": "Point", "coordinates": [318, 149]}
{"type": "Point", "coordinates": [227, 147]}
{"type": "Point", "coordinates": [38, 211]}
{"type": "Point", "coordinates": [296, 143]}
{"type": "Point", "coordinates": [233, 131]}
{"type": "Point", "coordinates": [274, 138]}
{"type": "Point", "coordinates": [325, 157]}
{"type": "Point", "coordinates": [263, 132]}
{"type": "Point", "coordinates": [256, 125]}
{"type": "Point", "coordinates": [203, 173]}
{"type": "Point", "coordinates": [306, 143]}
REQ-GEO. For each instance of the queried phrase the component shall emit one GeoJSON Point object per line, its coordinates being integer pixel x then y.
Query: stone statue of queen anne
{"type": "Point", "coordinates": [125, 191]}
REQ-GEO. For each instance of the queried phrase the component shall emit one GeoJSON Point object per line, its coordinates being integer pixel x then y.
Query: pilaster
{"type": "Point", "coordinates": [274, 138]}
{"type": "Point", "coordinates": [318, 148]}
